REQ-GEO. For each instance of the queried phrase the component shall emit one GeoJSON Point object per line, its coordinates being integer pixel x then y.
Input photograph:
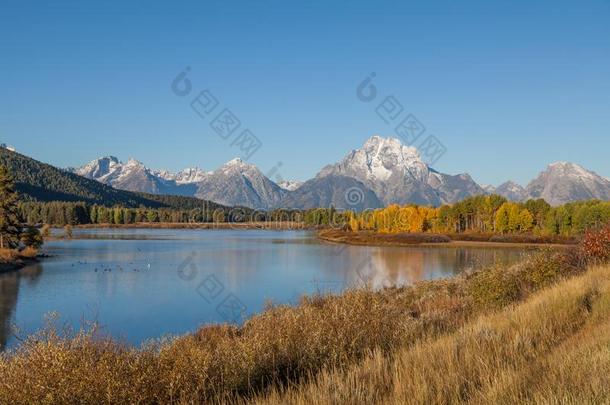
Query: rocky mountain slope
{"type": "Point", "coordinates": [383, 170]}
{"type": "Point", "coordinates": [563, 182]}
{"type": "Point", "coordinates": [398, 175]}
{"type": "Point", "coordinates": [510, 190]}
{"type": "Point", "coordinates": [240, 183]}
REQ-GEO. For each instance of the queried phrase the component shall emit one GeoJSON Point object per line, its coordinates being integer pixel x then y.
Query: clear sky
{"type": "Point", "coordinates": [507, 86]}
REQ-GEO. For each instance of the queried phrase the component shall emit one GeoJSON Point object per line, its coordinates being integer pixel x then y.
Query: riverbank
{"type": "Point", "coordinates": [11, 259]}
{"type": "Point", "coordinates": [369, 238]}
{"type": "Point", "coordinates": [263, 225]}
{"type": "Point", "coordinates": [303, 351]}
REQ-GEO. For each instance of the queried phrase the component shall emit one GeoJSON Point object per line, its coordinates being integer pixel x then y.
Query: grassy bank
{"type": "Point", "coordinates": [371, 238]}
{"type": "Point", "coordinates": [299, 353]}
{"type": "Point", "coordinates": [12, 259]}
{"type": "Point", "coordinates": [552, 348]}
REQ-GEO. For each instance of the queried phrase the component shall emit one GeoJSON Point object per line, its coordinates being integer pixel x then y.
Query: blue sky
{"type": "Point", "coordinates": [506, 86]}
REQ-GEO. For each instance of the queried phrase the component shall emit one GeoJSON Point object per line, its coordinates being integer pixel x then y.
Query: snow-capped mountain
{"type": "Point", "coordinates": [186, 176]}
{"type": "Point", "coordinates": [398, 175]}
{"type": "Point", "coordinates": [511, 191]}
{"type": "Point", "coordinates": [559, 183]}
{"type": "Point", "coordinates": [290, 185]}
{"type": "Point", "coordinates": [238, 183]}
{"type": "Point", "coordinates": [99, 168]}
{"type": "Point", "coordinates": [488, 188]}
{"type": "Point", "coordinates": [563, 182]}
{"type": "Point", "coordinates": [235, 183]}
{"type": "Point", "coordinates": [131, 176]}
{"type": "Point", "coordinates": [381, 172]}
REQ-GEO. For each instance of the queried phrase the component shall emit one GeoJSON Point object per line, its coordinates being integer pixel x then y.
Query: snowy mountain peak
{"type": "Point", "coordinates": [190, 175]}
{"type": "Point", "coordinates": [133, 163]}
{"type": "Point", "coordinates": [238, 165]}
{"type": "Point", "coordinates": [511, 191]}
{"type": "Point", "coordinates": [397, 174]}
{"type": "Point", "coordinates": [379, 146]}
{"type": "Point", "coordinates": [379, 159]}
{"type": "Point", "coordinates": [290, 185]}
{"type": "Point", "coordinates": [563, 182]}
{"type": "Point", "coordinates": [233, 162]}
{"type": "Point", "coordinates": [99, 167]}
{"type": "Point", "coordinates": [571, 169]}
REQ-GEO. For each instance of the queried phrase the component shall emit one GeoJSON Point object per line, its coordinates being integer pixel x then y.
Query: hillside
{"type": "Point", "coordinates": [37, 181]}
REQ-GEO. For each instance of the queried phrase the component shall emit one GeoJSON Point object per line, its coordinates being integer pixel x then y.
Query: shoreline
{"type": "Point", "coordinates": [271, 225]}
{"type": "Point", "coordinates": [361, 238]}
{"type": "Point", "coordinates": [424, 240]}
{"type": "Point", "coordinates": [18, 264]}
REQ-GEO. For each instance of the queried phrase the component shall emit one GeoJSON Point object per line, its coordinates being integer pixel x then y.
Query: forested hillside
{"type": "Point", "coordinates": [37, 181]}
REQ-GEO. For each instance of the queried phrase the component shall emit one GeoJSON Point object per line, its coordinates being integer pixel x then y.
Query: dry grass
{"type": "Point", "coordinates": [553, 348]}
{"type": "Point", "coordinates": [8, 255]}
{"type": "Point", "coordinates": [12, 259]}
{"type": "Point", "coordinates": [514, 238]}
{"type": "Point", "coordinates": [423, 343]}
{"type": "Point", "coordinates": [28, 253]}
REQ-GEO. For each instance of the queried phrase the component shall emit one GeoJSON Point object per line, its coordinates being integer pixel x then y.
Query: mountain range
{"type": "Point", "coordinates": [381, 172]}
{"type": "Point", "coordinates": [37, 181]}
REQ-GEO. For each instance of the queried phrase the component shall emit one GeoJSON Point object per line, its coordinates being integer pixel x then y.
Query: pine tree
{"type": "Point", "coordinates": [10, 224]}
{"type": "Point", "coordinates": [32, 238]}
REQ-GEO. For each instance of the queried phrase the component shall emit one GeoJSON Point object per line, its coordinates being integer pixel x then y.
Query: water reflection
{"type": "Point", "coordinates": [379, 267]}
{"type": "Point", "coordinates": [128, 279]}
{"type": "Point", "coordinates": [9, 292]}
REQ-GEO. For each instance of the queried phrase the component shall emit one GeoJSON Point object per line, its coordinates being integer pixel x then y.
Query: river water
{"type": "Point", "coordinates": [140, 284]}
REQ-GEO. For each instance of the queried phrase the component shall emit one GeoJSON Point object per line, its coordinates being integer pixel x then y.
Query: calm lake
{"type": "Point", "coordinates": [147, 283]}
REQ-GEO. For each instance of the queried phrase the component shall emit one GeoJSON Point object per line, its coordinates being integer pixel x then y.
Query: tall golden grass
{"type": "Point", "coordinates": [553, 348]}
{"type": "Point", "coordinates": [13, 256]}
{"type": "Point", "coordinates": [453, 340]}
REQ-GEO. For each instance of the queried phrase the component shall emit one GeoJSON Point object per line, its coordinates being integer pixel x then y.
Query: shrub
{"type": "Point", "coordinates": [494, 288]}
{"type": "Point", "coordinates": [595, 245]}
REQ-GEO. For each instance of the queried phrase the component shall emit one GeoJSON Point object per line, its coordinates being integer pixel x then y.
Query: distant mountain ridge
{"type": "Point", "coordinates": [563, 182]}
{"type": "Point", "coordinates": [37, 181]}
{"type": "Point", "coordinates": [392, 172]}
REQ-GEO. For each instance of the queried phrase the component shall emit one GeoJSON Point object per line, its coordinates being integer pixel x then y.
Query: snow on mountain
{"type": "Point", "coordinates": [290, 185]}
{"type": "Point", "coordinates": [99, 168]}
{"type": "Point", "coordinates": [186, 176]}
{"type": "Point", "coordinates": [488, 188]}
{"type": "Point", "coordinates": [398, 175]}
{"type": "Point", "coordinates": [381, 172]}
{"type": "Point", "coordinates": [131, 176]}
{"type": "Point", "coordinates": [563, 182]}
{"type": "Point", "coordinates": [238, 183]}
{"type": "Point", "coordinates": [511, 191]}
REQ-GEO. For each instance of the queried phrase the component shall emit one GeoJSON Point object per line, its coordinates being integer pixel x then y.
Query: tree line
{"type": "Point", "coordinates": [80, 213]}
{"type": "Point", "coordinates": [479, 214]}
{"type": "Point", "coordinates": [486, 214]}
